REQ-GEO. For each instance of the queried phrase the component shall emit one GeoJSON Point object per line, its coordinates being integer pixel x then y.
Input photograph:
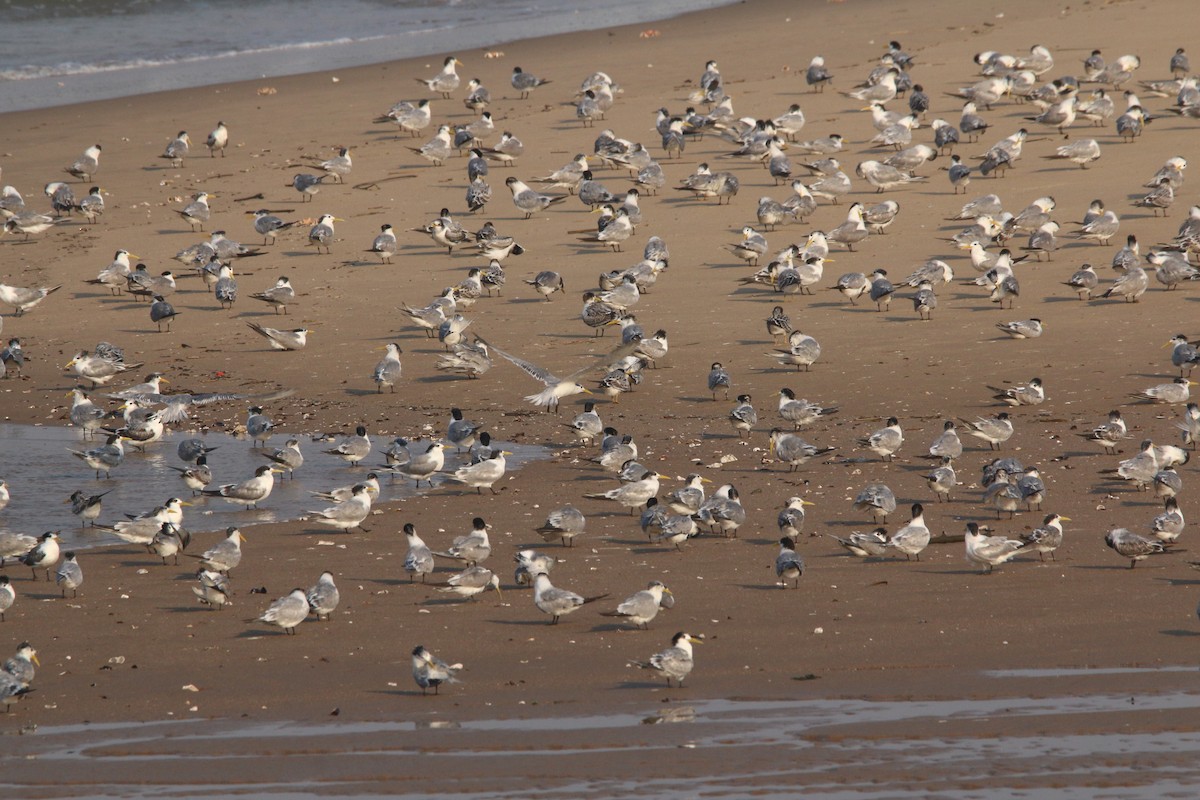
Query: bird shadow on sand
{"type": "Point", "coordinates": [143, 563]}
{"type": "Point", "coordinates": [644, 685]}
{"type": "Point", "coordinates": [1178, 632]}
{"type": "Point", "coordinates": [190, 609]}
{"type": "Point", "coordinates": [652, 549]}
{"type": "Point", "coordinates": [445, 601]}
{"type": "Point", "coordinates": [257, 633]}
{"type": "Point", "coordinates": [764, 587]}
{"type": "Point", "coordinates": [615, 627]}
{"type": "Point", "coordinates": [53, 594]}
{"type": "Point", "coordinates": [715, 435]}
{"type": "Point", "coordinates": [523, 622]}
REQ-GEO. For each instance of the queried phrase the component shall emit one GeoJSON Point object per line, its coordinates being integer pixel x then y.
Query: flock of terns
{"type": "Point", "coordinates": [815, 179]}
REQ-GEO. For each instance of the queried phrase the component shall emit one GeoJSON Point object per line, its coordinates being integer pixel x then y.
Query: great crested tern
{"type": "Point", "coordinates": [92, 206]}
{"type": "Point", "coordinates": [801, 412]}
{"type": "Point", "coordinates": [473, 547]}
{"type": "Point", "coordinates": [162, 311]}
{"type": "Point", "coordinates": [1109, 433]}
{"type": "Point", "coordinates": [353, 449]}
{"type": "Point", "coordinates": [384, 244]}
{"type": "Point", "coordinates": [69, 574]}
{"type": "Point", "coordinates": [1048, 538]}
{"type": "Point", "coordinates": [424, 465]}
{"type": "Point", "coordinates": [1168, 525]}
{"type": "Point", "coordinates": [323, 596]}
{"type": "Point", "coordinates": [527, 200]}
{"type": "Point", "coordinates": [788, 565]}
{"type": "Point", "coordinates": [876, 498]}
{"type": "Point", "coordinates": [525, 82]}
{"type": "Point", "coordinates": [29, 223]}
{"type": "Point", "coordinates": [141, 528]}
{"type": "Point", "coordinates": [989, 551]}
{"type": "Point", "coordinates": [409, 116]}
{"type": "Point", "coordinates": [8, 596]}
{"type": "Point", "coordinates": [558, 387]}
{"type": "Point", "coordinates": [428, 670]}
{"type": "Point", "coordinates": [388, 370]}
{"type": "Point", "coordinates": [86, 165]}
{"type": "Point", "coordinates": [993, 430]}
{"type": "Point", "coordinates": [438, 149]}
{"type": "Point", "coordinates": [530, 563]}
{"type": "Point", "coordinates": [85, 414]}
{"type": "Point", "coordinates": [218, 139]}
{"type": "Point", "coordinates": [177, 149]}
{"type": "Point", "coordinates": [558, 602]}
{"type": "Point", "coordinates": [287, 612]}
{"type": "Point", "coordinates": [791, 518]}
{"type": "Point", "coordinates": [1172, 269]}
{"type": "Point", "coordinates": [17, 674]}
{"type": "Point", "coordinates": [42, 555]}
{"type": "Point", "coordinates": [690, 497]}
{"type": "Point", "coordinates": [942, 479]}
{"type": "Point", "coordinates": [634, 494]}
{"type": "Point", "coordinates": [484, 474]}
{"type": "Point", "coordinates": [105, 458]}
{"type": "Point", "coordinates": [914, 537]}
{"type": "Point", "coordinates": [225, 290]}
{"type": "Point", "coordinates": [322, 234]}
{"type": "Point", "coordinates": [170, 541]}
{"type": "Point", "coordinates": [1133, 546]}
{"type": "Point", "coordinates": [197, 212]}
{"type": "Point", "coordinates": [676, 662]}
{"type": "Point", "coordinates": [279, 296]}
{"type": "Point", "coordinates": [13, 545]}
{"type": "Point", "coordinates": [445, 81]}
{"type": "Point", "coordinates": [85, 506]}
{"type": "Point", "coordinates": [1177, 391]}
{"type": "Point", "coordinates": [288, 458]}
{"type": "Point", "coordinates": [226, 554]}
{"type": "Point", "coordinates": [506, 151]}
{"type": "Point", "coordinates": [563, 524]}
{"type": "Point", "coordinates": [419, 558]}
{"type": "Point", "coordinates": [790, 449]}
{"type": "Point", "coordinates": [1021, 394]}
{"type": "Point", "coordinates": [249, 492]}
{"type": "Point", "coordinates": [23, 299]}
{"type": "Point", "coordinates": [642, 607]}
{"type": "Point", "coordinates": [294, 339]}
{"type": "Point", "coordinates": [886, 441]}
{"type": "Point", "coordinates": [213, 589]}
{"type": "Point", "coordinates": [478, 96]}
{"type": "Point", "coordinates": [723, 511]}
{"type": "Point", "coordinates": [472, 581]}
{"type": "Point", "coordinates": [864, 545]}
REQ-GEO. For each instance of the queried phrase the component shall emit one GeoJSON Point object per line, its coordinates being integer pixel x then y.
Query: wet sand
{"type": "Point", "coordinates": [886, 632]}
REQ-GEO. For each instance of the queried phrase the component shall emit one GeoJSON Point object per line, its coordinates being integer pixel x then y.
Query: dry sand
{"type": "Point", "coordinates": [890, 633]}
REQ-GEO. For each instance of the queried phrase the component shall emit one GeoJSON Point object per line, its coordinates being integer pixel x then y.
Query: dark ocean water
{"type": "Point", "coordinates": [66, 51]}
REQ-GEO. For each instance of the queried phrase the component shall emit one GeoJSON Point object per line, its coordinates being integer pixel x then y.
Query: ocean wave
{"type": "Point", "coordinates": [31, 71]}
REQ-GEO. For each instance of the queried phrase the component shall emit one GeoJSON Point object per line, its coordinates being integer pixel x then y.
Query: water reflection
{"type": "Point", "coordinates": [41, 475]}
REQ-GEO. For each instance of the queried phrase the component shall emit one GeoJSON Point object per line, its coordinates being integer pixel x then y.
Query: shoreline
{"type": "Point", "coordinates": [306, 58]}
{"type": "Point", "coordinates": [890, 631]}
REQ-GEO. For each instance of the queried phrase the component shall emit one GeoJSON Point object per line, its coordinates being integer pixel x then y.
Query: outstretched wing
{"type": "Point", "coordinates": [177, 404]}
{"type": "Point", "coordinates": [614, 355]}
{"type": "Point", "coordinates": [540, 373]}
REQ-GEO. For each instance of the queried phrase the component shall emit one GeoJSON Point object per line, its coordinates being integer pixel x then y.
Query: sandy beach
{"type": "Point", "coordinates": [878, 678]}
